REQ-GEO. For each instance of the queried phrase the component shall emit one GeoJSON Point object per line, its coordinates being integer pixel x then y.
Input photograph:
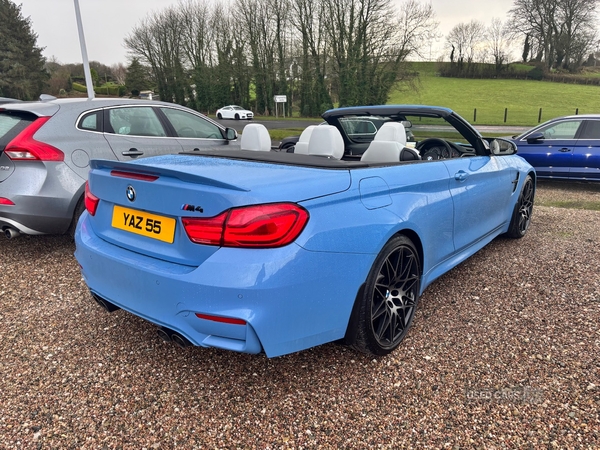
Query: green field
{"type": "Point", "coordinates": [484, 101]}
{"type": "Point", "coordinates": [490, 97]}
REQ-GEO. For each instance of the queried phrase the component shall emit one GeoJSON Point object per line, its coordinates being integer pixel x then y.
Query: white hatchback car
{"type": "Point", "coordinates": [234, 112]}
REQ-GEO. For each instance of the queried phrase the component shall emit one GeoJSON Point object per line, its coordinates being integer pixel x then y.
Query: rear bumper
{"type": "Point", "coordinates": [36, 215]}
{"type": "Point", "coordinates": [290, 298]}
{"type": "Point", "coordinates": [43, 195]}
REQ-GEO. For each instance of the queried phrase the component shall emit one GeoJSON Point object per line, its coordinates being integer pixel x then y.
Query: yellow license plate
{"type": "Point", "coordinates": [149, 225]}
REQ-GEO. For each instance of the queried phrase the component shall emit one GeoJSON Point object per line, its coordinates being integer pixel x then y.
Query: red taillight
{"type": "Point", "coordinates": [264, 225]}
{"type": "Point", "coordinates": [208, 231]}
{"type": "Point", "coordinates": [6, 201]}
{"type": "Point", "coordinates": [221, 319]}
{"type": "Point", "coordinates": [257, 226]}
{"type": "Point", "coordinates": [25, 147]}
{"type": "Point", "coordinates": [91, 201]}
{"type": "Point", "coordinates": [133, 175]}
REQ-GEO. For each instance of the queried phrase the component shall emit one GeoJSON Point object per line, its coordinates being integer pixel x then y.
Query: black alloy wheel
{"type": "Point", "coordinates": [390, 298]}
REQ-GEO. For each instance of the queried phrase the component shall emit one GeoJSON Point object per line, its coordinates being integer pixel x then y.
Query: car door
{"type": "Point", "coordinates": [227, 112]}
{"type": "Point", "coordinates": [481, 188]}
{"type": "Point", "coordinates": [550, 148]}
{"type": "Point", "coordinates": [586, 154]}
{"type": "Point", "coordinates": [193, 132]}
{"type": "Point", "coordinates": [137, 131]}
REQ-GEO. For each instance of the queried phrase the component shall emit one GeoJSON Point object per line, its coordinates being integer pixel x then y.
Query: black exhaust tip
{"type": "Point", "coordinates": [164, 334]}
{"type": "Point", "coordinates": [105, 304]}
{"type": "Point", "coordinates": [169, 335]}
{"type": "Point", "coordinates": [180, 340]}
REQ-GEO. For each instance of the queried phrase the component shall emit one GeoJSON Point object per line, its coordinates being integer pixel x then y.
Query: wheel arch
{"type": "Point", "coordinates": [416, 240]}
{"type": "Point", "coordinates": [534, 177]}
{"type": "Point", "coordinates": [78, 198]}
{"type": "Point", "coordinates": [351, 328]}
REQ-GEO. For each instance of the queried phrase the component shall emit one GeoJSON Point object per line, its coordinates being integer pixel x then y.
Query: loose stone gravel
{"type": "Point", "coordinates": [503, 353]}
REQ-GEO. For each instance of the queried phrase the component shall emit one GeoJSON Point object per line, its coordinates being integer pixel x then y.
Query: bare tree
{"type": "Point", "coordinates": [498, 42]}
{"type": "Point", "coordinates": [232, 75]}
{"type": "Point", "coordinates": [255, 17]}
{"type": "Point", "coordinates": [417, 27]}
{"type": "Point", "coordinates": [307, 20]}
{"type": "Point", "coordinates": [208, 53]}
{"type": "Point", "coordinates": [119, 72]}
{"type": "Point", "coordinates": [369, 42]}
{"type": "Point", "coordinates": [560, 32]}
{"type": "Point", "coordinates": [157, 41]}
{"type": "Point", "coordinates": [467, 40]}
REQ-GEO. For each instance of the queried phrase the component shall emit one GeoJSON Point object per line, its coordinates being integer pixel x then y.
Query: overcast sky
{"type": "Point", "coordinates": [107, 22]}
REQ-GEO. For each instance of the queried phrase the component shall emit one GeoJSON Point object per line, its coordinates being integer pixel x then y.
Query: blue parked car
{"type": "Point", "coordinates": [264, 251]}
{"type": "Point", "coordinates": [564, 148]}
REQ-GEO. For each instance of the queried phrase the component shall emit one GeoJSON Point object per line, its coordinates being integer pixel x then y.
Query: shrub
{"type": "Point", "coordinates": [79, 87]}
{"type": "Point", "coordinates": [116, 90]}
{"type": "Point", "coordinates": [537, 73]}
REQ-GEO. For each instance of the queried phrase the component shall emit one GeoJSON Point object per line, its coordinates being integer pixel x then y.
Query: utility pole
{"type": "Point", "coordinates": [86, 63]}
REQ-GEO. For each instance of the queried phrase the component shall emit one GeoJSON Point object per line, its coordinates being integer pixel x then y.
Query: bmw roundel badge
{"type": "Point", "coordinates": [130, 192]}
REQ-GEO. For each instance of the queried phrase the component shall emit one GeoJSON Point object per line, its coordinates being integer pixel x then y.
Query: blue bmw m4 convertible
{"type": "Point", "coordinates": [254, 250]}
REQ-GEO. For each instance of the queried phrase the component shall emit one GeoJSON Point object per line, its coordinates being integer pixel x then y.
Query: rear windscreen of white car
{"type": "Point", "coordinates": [11, 124]}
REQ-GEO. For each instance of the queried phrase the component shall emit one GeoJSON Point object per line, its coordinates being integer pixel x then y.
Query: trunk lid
{"type": "Point", "coordinates": [192, 186]}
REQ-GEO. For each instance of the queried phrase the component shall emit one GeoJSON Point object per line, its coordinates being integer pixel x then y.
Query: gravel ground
{"type": "Point", "coordinates": [503, 353]}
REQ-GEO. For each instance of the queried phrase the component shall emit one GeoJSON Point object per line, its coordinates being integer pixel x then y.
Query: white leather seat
{"type": "Point", "coordinates": [301, 146]}
{"type": "Point", "coordinates": [255, 136]}
{"type": "Point", "coordinates": [389, 145]}
{"type": "Point", "coordinates": [382, 151]}
{"type": "Point", "coordinates": [326, 140]}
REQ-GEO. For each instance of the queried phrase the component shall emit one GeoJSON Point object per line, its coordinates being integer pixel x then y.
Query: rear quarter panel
{"type": "Point", "coordinates": [410, 198]}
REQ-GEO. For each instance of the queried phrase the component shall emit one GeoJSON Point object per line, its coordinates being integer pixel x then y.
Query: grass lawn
{"type": "Point", "coordinates": [484, 101]}
{"type": "Point", "coordinates": [489, 97]}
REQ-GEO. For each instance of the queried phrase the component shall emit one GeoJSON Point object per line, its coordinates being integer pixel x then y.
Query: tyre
{"type": "Point", "coordinates": [76, 215]}
{"type": "Point", "coordinates": [237, 117]}
{"type": "Point", "coordinates": [219, 116]}
{"type": "Point", "coordinates": [521, 217]}
{"type": "Point", "coordinates": [387, 303]}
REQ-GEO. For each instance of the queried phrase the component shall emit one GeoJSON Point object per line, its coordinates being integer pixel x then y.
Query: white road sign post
{"type": "Point", "coordinates": [280, 99]}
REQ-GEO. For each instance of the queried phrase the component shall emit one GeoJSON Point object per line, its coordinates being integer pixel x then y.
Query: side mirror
{"type": "Point", "coordinates": [501, 147]}
{"type": "Point", "coordinates": [535, 137]}
{"type": "Point", "coordinates": [406, 123]}
{"type": "Point", "coordinates": [230, 134]}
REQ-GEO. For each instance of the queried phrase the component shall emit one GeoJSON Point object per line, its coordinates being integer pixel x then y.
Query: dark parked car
{"type": "Point", "coordinates": [563, 148]}
{"type": "Point", "coordinates": [46, 148]}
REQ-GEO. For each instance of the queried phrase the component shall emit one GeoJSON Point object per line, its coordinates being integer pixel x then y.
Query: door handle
{"type": "Point", "coordinates": [133, 152]}
{"type": "Point", "coordinates": [461, 175]}
{"type": "Point", "coordinates": [565, 150]}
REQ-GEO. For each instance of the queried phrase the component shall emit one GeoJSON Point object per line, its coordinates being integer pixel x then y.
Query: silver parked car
{"type": "Point", "coordinates": [46, 147]}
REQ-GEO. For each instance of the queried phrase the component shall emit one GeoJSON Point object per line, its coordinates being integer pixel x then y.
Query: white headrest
{"type": "Point", "coordinates": [326, 140]}
{"type": "Point", "coordinates": [306, 133]}
{"type": "Point", "coordinates": [255, 136]}
{"type": "Point", "coordinates": [301, 146]}
{"type": "Point", "coordinates": [392, 131]}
